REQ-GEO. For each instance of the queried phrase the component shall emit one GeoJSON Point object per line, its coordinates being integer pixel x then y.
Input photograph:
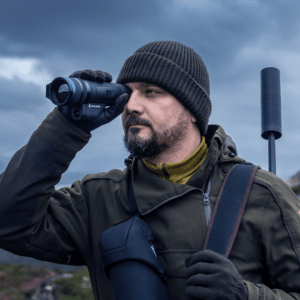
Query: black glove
{"type": "Point", "coordinates": [88, 74]}
{"type": "Point", "coordinates": [212, 276]}
{"type": "Point", "coordinates": [107, 114]}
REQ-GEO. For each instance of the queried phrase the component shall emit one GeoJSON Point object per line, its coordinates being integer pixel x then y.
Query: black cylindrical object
{"type": "Point", "coordinates": [270, 103]}
{"type": "Point", "coordinates": [271, 111]}
{"type": "Point", "coordinates": [272, 153]}
{"type": "Point", "coordinates": [131, 263]}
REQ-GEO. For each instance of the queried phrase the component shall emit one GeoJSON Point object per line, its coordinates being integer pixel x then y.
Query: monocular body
{"type": "Point", "coordinates": [85, 98]}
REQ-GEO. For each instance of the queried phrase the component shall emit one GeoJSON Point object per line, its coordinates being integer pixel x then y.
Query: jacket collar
{"type": "Point", "coordinates": [151, 191]}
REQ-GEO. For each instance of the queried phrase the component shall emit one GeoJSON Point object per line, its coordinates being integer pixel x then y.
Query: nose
{"type": "Point", "coordinates": [135, 102]}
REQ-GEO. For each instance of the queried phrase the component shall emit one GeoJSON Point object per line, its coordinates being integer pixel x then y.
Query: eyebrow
{"type": "Point", "coordinates": [145, 85]}
{"type": "Point", "coordinates": [141, 84]}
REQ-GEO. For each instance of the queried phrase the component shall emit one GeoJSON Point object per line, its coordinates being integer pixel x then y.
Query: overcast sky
{"type": "Point", "coordinates": [41, 40]}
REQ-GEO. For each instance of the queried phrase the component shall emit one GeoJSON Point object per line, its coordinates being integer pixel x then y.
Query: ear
{"type": "Point", "coordinates": [193, 119]}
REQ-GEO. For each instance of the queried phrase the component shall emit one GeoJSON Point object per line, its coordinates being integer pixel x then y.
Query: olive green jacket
{"type": "Point", "coordinates": [64, 226]}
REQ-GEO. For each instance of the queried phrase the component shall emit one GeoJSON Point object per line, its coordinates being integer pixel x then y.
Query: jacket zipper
{"type": "Point", "coordinates": [207, 207]}
{"type": "Point", "coordinates": [206, 202]}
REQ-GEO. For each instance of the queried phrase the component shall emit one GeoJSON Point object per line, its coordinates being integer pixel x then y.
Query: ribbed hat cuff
{"type": "Point", "coordinates": [151, 67]}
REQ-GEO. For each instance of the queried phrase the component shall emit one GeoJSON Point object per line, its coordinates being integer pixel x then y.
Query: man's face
{"type": "Point", "coordinates": [162, 120]}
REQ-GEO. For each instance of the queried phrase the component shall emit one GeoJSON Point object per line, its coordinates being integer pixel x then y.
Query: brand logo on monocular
{"type": "Point", "coordinates": [94, 106]}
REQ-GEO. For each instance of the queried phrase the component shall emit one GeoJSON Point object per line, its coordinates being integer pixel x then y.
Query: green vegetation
{"type": "Point", "coordinates": [12, 277]}
{"type": "Point", "coordinates": [70, 288]}
{"type": "Point", "coordinates": [16, 279]}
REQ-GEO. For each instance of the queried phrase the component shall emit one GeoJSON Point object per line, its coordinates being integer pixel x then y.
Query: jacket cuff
{"type": "Point", "coordinates": [255, 291]}
{"type": "Point", "coordinates": [62, 134]}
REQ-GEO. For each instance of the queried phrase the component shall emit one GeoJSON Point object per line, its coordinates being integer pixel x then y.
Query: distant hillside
{"type": "Point", "coordinates": [18, 282]}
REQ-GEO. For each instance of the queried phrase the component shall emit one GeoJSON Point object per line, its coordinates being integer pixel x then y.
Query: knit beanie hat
{"type": "Point", "coordinates": [177, 69]}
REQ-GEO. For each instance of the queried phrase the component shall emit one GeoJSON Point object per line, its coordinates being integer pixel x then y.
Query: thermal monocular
{"type": "Point", "coordinates": [85, 98]}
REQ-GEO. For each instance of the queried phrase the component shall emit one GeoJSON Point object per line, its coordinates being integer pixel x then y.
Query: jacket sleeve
{"type": "Point", "coordinates": [35, 219]}
{"type": "Point", "coordinates": [280, 242]}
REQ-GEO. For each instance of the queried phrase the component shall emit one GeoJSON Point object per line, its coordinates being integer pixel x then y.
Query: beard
{"type": "Point", "coordinates": [152, 145]}
{"type": "Point", "coordinates": [143, 147]}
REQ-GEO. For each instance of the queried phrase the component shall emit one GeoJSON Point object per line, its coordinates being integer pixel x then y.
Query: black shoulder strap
{"type": "Point", "coordinates": [132, 203]}
{"type": "Point", "coordinates": [229, 208]}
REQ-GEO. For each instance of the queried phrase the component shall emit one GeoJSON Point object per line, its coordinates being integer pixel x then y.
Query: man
{"type": "Point", "coordinates": [176, 167]}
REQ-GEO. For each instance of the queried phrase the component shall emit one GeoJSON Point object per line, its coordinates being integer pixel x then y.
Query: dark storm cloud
{"type": "Point", "coordinates": [38, 27]}
{"type": "Point", "coordinates": [17, 95]}
{"type": "Point", "coordinates": [221, 34]}
{"type": "Point", "coordinates": [86, 32]}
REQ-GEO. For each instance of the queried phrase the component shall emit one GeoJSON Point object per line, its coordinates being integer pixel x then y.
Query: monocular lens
{"type": "Point", "coordinates": [63, 92]}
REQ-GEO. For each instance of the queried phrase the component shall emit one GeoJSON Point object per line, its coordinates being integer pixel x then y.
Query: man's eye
{"type": "Point", "coordinates": [148, 91]}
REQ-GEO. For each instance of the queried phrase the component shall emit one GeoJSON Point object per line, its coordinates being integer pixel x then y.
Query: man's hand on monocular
{"type": "Point", "coordinates": [98, 76]}
{"type": "Point", "coordinates": [212, 276]}
{"type": "Point", "coordinates": [107, 114]}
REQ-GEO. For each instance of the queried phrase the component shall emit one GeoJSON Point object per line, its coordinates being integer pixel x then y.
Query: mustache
{"type": "Point", "coordinates": [135, 121]}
